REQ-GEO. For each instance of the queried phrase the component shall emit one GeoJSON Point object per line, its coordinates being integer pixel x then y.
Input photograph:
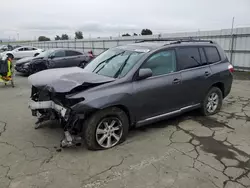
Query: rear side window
{"type": "Point", "coordinates": [212, 54]}
{"type": "Point", "coordinates": [72, 53]}
{"type": "Point", "coordinates": [188, 57]}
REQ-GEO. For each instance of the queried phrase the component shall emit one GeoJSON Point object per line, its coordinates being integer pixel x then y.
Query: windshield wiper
{"type": "Point", "coordinates": [122, 67]}
{"type": "Point", "coordinates": [107, 60]}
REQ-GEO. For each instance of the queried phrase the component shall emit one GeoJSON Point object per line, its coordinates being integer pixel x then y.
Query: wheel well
{"type": "Point", "coordinates": [82, 62]}
{"type": "Point", "coordinates": [125, 109]}
{"type": "Point", "coordinates": [9, 54]}
{"type": "Point", "coordinates": [220, 85]}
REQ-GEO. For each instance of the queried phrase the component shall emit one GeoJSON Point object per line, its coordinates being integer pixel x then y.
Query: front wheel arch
{"type": "Point", "coordinates": [10, 55]}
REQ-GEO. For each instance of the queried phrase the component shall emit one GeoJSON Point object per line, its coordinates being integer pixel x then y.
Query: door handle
{"type": "Point", "coordinates": [176, 81]}
{"type": "Point", "coordinates": [207, 73]}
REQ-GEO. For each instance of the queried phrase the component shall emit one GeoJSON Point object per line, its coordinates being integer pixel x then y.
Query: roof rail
{"type": "Point", "coordinates": [175, 40]}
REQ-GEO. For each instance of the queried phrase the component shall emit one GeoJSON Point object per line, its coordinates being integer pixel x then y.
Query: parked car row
{"type": "Point", "coordinates": [130, 86]}
{"type": "Point", "coordinates": [53, 58]}
{"type": "Point", "coordinates": [31, 59]}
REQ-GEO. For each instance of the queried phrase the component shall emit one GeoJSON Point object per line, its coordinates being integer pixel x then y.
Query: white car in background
{"type": "Point", "coordinates": [21, 52]}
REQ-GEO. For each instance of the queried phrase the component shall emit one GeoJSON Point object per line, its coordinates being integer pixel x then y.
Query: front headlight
{"type": "Point", "coordinates": [26, 65]}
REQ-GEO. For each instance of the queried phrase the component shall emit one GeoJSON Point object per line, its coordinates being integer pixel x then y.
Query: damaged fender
{"type": "Point", "coordinates": [92, 104]}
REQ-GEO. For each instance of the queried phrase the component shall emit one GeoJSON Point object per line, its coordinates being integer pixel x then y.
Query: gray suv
{"type": "Point", "coordinates": [130, 86]}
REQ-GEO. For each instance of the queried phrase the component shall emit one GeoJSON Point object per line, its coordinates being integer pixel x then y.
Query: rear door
{"type": "Point", "coordinates": [160, 93]}
{"type": "Point", "coordinates": [195, 74]}
{"type": "Point", "coordinates": [29, 51]}
{"type": "Point", "coordinates": [73, 58]}
{"type": "Point", "coordinates": [59, 59]}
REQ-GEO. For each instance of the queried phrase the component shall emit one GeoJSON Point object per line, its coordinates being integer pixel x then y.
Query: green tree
{"type": "Point", "coordinates": [57, 37]}
{"type": "Point", "coordinates": [126, 35]}
{"type": "Point", "coordinates": [65, 37]}
{"type": "Point", "coordinates": [43, 38]}
{"type": "Point", "coordinates": [146, 32]}
{"type": "Point", "coordinates": [78, 35]}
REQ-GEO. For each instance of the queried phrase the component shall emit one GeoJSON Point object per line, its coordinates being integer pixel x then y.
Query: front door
{"type": "Point", "coordinates": [20, 53]}
{"type": "Point", "coordinates": [159, 94]}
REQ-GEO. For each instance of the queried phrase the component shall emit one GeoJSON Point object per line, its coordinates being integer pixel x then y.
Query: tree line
{"type": "Point", "coordinates": [79, 35]}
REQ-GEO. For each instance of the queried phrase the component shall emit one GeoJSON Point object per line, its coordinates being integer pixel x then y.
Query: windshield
{"type": "Point", "coordinates": [45, 53]}
{"type": "Point", "coordinates": [114, 63]}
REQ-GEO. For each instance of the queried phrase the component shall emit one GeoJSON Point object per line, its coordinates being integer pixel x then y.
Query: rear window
{"type": "Point", "coordinates": [212, 54]}
{"type": "Point", "coordinates": [188, 57]}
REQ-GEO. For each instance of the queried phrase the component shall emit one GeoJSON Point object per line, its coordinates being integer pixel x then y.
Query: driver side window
{"type": "Point", "coordinates": [161, 63]}
{"type": "Point", "coordinates": [58, 54]}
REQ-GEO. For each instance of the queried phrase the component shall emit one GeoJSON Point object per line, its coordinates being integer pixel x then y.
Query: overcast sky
{"type": "Point", "coordinates": [32, 18]}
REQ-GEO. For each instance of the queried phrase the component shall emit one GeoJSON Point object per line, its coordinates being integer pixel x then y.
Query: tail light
{"type": "Point", "coordinates": [231, 68]}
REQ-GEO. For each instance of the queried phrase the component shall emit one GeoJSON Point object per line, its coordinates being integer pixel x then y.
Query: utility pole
{"type": "Point", "coordinates": [232, 41]}
{"type": "Point", "coordinates": [17, 36]}
{"type": "Point", "coordinates": [232, 27]}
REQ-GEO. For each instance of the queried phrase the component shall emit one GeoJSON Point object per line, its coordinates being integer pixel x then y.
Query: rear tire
{"type": "Point", "coordinates": [212, 102]}
{"type": "Point", "coordinates": [98, 130]}
{"type": "Point", "coordinates": [83, 64]}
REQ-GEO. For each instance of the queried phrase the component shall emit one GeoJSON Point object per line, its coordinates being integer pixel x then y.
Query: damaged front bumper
{"type": "Point", "coordinates": [71, 137]}
{"type": "Point", "coordinates": [34, 106]}
{"type": "Point", "coordinates": [22, 69]}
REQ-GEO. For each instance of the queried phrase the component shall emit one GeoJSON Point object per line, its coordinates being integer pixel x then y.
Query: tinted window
{"type": "Point", "coordinates": [59, 53]}
{"type": "Point", "coordinates": [212, 54]}
{"type": "Point", "coordinates": [188, 58]}
{"type": "Point", "coordinates": [72, 53]}
{"type": "Point", "coordinates": [34, 49]}
{"type": "Point", "coordinates": [203, 57]}
{"type": "Point", "coordinates": [21, 49]}
{"type": "Point", "coordinates": [29, 49]}
{"type": "Point", "coordinates": [162, 63]}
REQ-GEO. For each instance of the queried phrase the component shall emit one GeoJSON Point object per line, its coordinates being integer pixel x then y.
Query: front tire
{"type": "Point", "coordinates": [106, 128]}
{"type": "Point", "coordinates": [212, 102]}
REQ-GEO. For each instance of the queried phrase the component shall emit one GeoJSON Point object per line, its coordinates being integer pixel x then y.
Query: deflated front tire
{"type": "Point", "coordinates": [106, 128]}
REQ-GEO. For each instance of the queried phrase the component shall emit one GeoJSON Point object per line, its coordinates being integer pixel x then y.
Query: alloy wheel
{"type": "Point", "coordinates": [213, 102]}
{"type": "Point", "coordinates": [109, 132]}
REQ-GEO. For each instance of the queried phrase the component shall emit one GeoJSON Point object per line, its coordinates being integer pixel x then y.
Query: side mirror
{"type": "Point", "coordinates": [144, 73]}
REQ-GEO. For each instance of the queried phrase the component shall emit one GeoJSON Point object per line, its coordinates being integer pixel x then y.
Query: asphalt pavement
{"type": "Point", "coordinates": [187, 151]}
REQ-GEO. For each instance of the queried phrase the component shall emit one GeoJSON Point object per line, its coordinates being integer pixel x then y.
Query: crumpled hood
{"type": "Point", "coordinates": [24, 60]}
{"type": "Point", "coordinates": [63, 80]}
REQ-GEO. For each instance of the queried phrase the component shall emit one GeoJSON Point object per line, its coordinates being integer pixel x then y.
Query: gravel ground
{"type": "Point", "coordinates": [187, 151]}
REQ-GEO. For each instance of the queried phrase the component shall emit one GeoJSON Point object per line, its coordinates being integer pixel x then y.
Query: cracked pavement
{"type": "Point", "coordinates": [186, 151]}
